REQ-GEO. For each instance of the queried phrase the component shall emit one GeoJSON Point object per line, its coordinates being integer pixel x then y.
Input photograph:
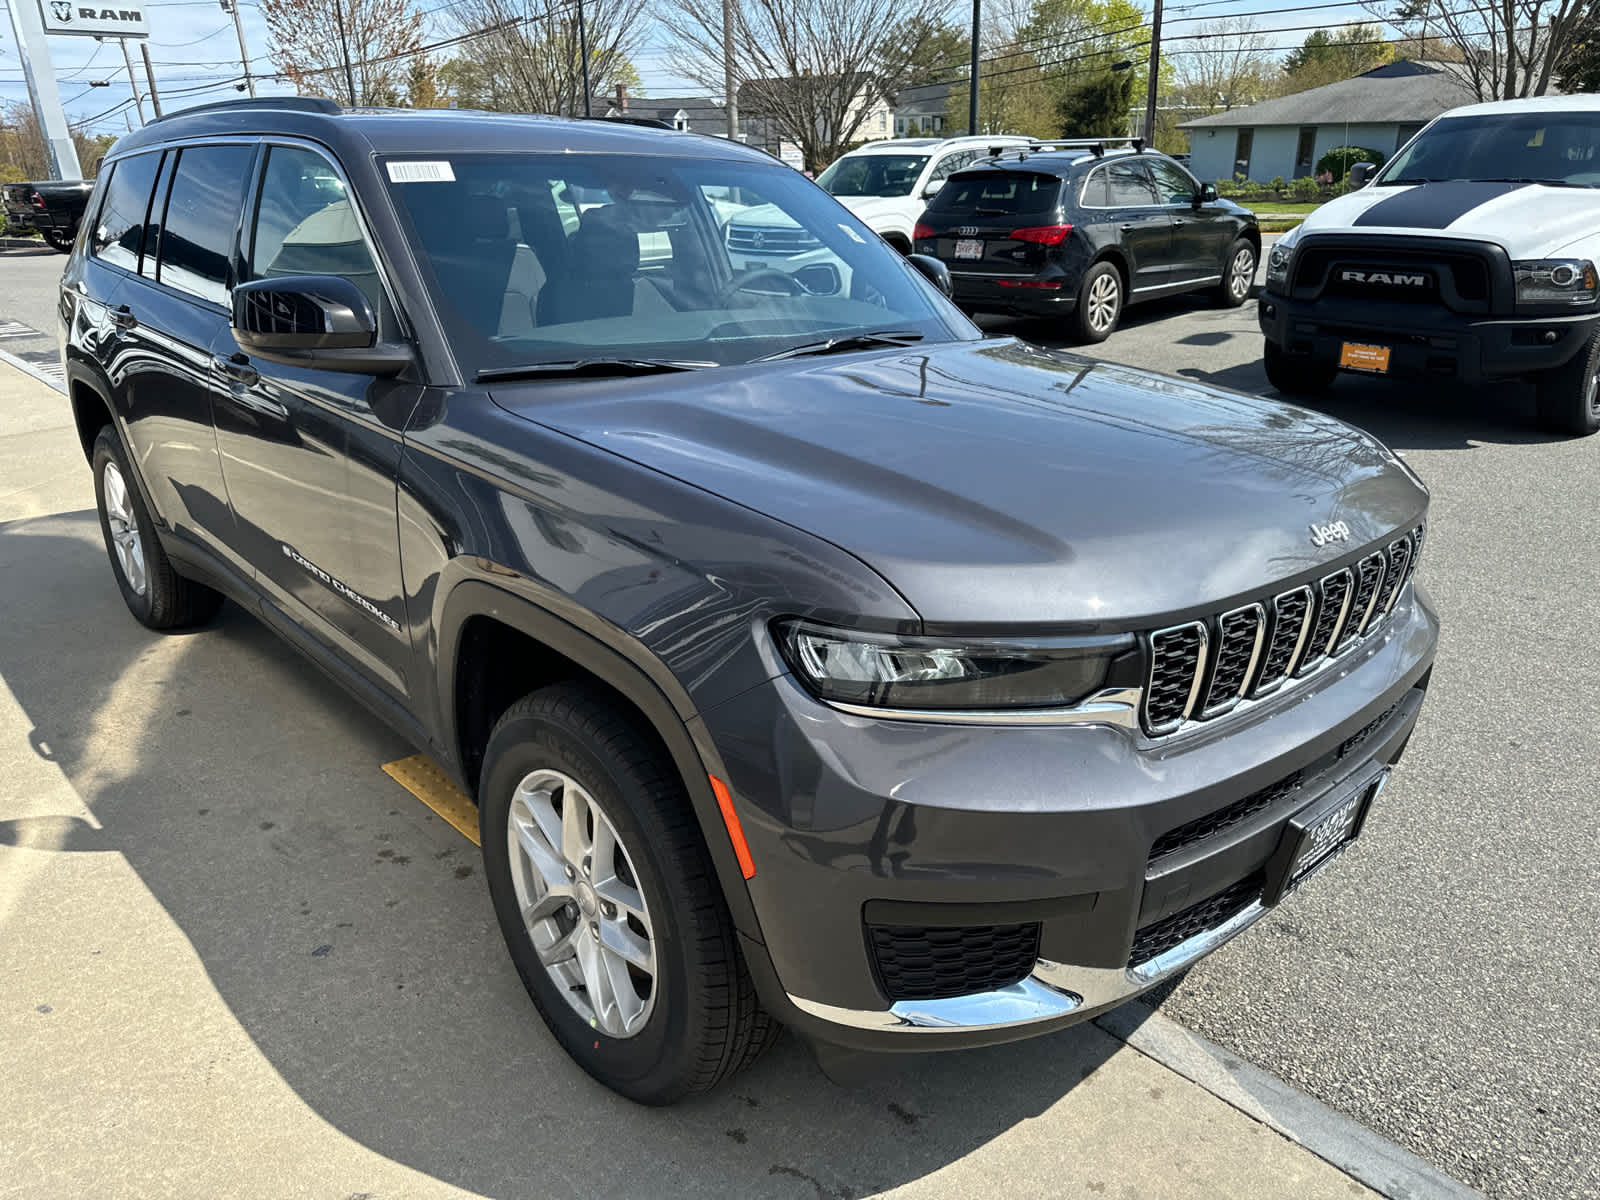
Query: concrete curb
{"type": "Point", "coordinates": [17, 243]}
{"type": "Point", "coordinates": [1346, 1144]}
{"type": "Point", "coordinates": [28, 368]}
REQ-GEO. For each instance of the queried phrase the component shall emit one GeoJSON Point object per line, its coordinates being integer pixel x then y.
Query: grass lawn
{"type": "Point", "coordinates": [1281, 208]}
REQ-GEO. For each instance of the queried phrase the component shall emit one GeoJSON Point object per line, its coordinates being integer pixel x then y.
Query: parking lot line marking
{"type": "Point", "coordinates": [421, 776]}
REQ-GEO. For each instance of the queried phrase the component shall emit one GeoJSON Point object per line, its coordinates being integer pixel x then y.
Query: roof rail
{"type": "Point", "coordinates": [646, 122]}
{"type": "Point", "coordinates": [1095, 146]}
{"type": "Point", "coordinates": [316, 104]}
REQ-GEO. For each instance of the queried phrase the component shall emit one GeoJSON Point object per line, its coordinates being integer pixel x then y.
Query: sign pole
{"type": "Point", "coordinates": [40, 74]}
{"type": "Point", "coordinates": [133, 82]}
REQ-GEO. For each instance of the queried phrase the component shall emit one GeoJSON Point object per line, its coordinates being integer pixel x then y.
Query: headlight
{"type": "Point", "coordinates": [884, 671]}
{"type": "Point", "coordinates": [1556, 282]}
{"type": "Point", "coordinates": [1278, 260]}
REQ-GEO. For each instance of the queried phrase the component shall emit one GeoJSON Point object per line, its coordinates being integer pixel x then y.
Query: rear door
{"type": "Point", "coordinates": [1121, 197]}
{"type": "Point", "coordinates": [1200, 235]}
{"type": "Point", "coordinates": [975, 218]}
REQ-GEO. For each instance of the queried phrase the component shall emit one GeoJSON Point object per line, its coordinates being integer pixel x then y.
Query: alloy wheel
{"type": "Point", "coordinates": [1105, 296]}
{"type": "Point", "coordinates": [1242, 275]}
{"type": "Point", "coordinates": [581, 902]}
{"type": "Point", "coordinates": [125, 540]}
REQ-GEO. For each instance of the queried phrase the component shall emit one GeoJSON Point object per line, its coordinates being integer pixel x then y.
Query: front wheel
{"type": "Point", "coordinates": [1295, 374]}
{"type": "Point", "coordinates": [1100, 303]}
{"type": "Point", "coordinates": [608, 901]}
{"type": "Point", "coordinates": [1569, 396]}
{"type": "Point", "coordinates": [1238, 275]}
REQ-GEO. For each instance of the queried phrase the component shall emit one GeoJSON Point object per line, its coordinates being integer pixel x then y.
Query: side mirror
{"type": "Point", "coordinates": [321, 321]}
{"type": "Point", "coordinates": [1360, 174]}
{"type": "Point", "coordinates": [932, 189]}
{"type": "Point", "coordinates": [819, 279]}
{"type": "Point", "coordinates": [934, 271]}
{"type": "Point", "coordinates": [1207, 195]}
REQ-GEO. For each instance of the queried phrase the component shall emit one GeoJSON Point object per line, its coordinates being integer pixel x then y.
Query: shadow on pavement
{"type": "Point", "coordinates": [347, 928]}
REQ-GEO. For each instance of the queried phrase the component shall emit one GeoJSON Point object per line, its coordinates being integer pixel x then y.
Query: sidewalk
{"type": "Point", "coordinates": [211, 984]}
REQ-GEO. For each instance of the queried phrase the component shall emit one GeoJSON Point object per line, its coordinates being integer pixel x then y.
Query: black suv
{"type": "Point", "coordinates": [1084, 229]}
{"type": "Point", "coordinates": [811, 657]}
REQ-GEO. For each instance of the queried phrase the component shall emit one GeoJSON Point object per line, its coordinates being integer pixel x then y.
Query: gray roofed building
{"type": "Point", "coordinates": [697, 114]}
{"type": "Point", "coordinates": [1379, 110]}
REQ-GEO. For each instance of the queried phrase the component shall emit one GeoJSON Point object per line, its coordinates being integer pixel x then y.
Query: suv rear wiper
{"type": "Point", "coordinates": [590, 366]}
{"type": "Point", "coordinates": [851, 341]}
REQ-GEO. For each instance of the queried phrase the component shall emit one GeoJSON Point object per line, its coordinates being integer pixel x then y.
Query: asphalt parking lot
{"type": "Point", "coordinates": [324, 975]}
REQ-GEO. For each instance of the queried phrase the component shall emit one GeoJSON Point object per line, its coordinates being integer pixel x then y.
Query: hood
{"type": "Point", "coordinates": [1528, 220]}
{"type": "Point", "coordinates": [992, 483]}
{"type": "Point", "coordinates": [871, 208]}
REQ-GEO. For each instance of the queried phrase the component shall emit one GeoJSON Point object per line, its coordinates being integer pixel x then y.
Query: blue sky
{"type": "Point", "coordinates": [193, 46]}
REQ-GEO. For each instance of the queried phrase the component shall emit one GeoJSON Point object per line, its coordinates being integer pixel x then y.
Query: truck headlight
{"type": "Point", "coordinates": [885, 671]}
{"type": "Point", "coordinates": [1556, 282]}
{"type": "Point", "coordinates": [1278, 260]}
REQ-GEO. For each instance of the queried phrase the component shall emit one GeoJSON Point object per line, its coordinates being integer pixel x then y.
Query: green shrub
{"type": "Point", "coordinates": [1340, 159]}
{"type": "Point", "coordinates": [1307, 188]}
{"type": "Point", "coordinates": [1277, 183]}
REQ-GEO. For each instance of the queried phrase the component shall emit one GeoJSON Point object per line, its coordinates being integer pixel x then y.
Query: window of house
{"type": "Point", "coordinates": [1305, 150]}
{"type": "Point", "coordinates": [1241, 151]}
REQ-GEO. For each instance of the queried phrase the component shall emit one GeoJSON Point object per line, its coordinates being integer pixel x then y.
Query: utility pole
{"type": "Point", "coordinates": [231, 6]}
{"type": "Point", "coordinates": [730, 94]}
{"type": "Point", "coordinates": [40, 75]}
{"type": "Point", "coordinates": [583, 52]}
{"type": "Point", "coordinates": [344, 49]}
{"type": "Point", "coordinates": [133, 81]}
{"type": "Point", "coordinates": [972, 94]}
{"type": "Point", "coordinates": [1155, 75]}
{"type": "Point", "coordinates": [150, 77]}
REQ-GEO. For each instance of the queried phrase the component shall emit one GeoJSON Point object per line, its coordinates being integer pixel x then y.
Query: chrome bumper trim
{"type": "Point", "coordinates": [1053, 990]}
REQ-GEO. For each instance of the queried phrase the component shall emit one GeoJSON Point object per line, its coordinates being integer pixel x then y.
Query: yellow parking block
{"type": "Point", "coordinates": [422, 777]}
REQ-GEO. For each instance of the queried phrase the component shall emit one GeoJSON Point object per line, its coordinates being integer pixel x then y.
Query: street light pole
{"type": "Point", "coordinates": [729, 93]}
{"type": "Point", "coordinates": [972, 93]}
{"type": "Point", "coordinates": [1155, 73]}
{"type": "Point", "coordinates": [583, 51]}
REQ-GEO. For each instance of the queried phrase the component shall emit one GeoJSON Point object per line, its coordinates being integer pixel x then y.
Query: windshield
{"type": "Point", "coordinates": [873, 175]}
{"type": "Point", "coordinates": [1544, 147]}
{"type": "Point", "coordinates": [540, 259]}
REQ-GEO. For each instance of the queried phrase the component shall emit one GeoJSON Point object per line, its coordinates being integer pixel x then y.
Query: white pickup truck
{"type": "Point", "coordinates": [1471, 256]}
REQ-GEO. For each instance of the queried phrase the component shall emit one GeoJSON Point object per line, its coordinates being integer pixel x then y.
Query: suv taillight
{"type": "Point", "coordinates": [1043, 235]}
{"type": "Point", "coordinates": [38, 201]}
{"type": "Point", "coordinates": [921, 230]}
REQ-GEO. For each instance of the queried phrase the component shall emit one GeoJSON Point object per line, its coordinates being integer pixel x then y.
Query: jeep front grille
{"type": "Point", "coordinates": [1250, 651]}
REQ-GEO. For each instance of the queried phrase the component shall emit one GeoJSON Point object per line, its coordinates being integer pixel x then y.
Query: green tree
{"type": "Point", "coordinates": [1580, 69]}
{"type": "Point", "coordinates": [1329, 55]}
{"type": "Point", "coordinates": [1076, 40]}
{"type": "Point", "coordinates": [1014, 98]}
{"type": "Point", "coordinates": [931, 47]}
{"type": "Point", "coordinates": [1098, 107]}
{"type": "Point", "coordinates": [422, 83]}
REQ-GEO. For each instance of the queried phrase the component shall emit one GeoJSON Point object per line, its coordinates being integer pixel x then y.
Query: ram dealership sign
{"type": "Point", "coordinates": [94, 20]}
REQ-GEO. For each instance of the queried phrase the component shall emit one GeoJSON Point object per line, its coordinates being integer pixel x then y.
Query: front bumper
{"type": "Point", "coordinates": [857, 823]}
{"type": "Point", "coordinates": [1426, 341]}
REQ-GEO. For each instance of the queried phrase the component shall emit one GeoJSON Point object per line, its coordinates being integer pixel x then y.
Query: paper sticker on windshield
{"type": "Point", "coordinates": [421, 172]}
{"type": "Point", "coordinates": [853, 234]}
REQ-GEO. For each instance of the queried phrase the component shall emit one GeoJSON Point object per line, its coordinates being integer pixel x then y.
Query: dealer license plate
{"type": "Point", "coordinates": [969, 248]}
{"type": "Point", "coordinates": [1313, 838]}
{"type": "Point", "coordinates": [1355, 356]}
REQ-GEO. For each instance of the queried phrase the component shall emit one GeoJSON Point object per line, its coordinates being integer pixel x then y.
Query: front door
{"type": "Point", "coordinates": [310, 456]}
{"type": "Point", "coordinates": [1200, 234]}
{"type": "Point", "coordinates": [1143, 225]}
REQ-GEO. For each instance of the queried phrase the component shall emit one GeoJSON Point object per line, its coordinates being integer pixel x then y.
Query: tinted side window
{"type": "Point", "coordinates": [202, 213]}
{"type": "Point", "coordinates": [120, 230]}
{"type": "Point", "coordinates": [1173, 184]}
{"type": "Point", "coordinates": [304, 224]}
{"type": "Point", "coordinates": [1129, 186]}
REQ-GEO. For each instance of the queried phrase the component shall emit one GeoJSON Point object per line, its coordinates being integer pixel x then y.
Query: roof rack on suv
{"type": "Point", "coordinates": [644, 122]}
{"type": "Point", "coordinates": [1095, 146]}
{"type": "Point", "coordinates": [316, 104]}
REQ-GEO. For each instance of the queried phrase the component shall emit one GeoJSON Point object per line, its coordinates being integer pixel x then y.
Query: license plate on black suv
{"type": "Point", "coordinates": [1314, 836]}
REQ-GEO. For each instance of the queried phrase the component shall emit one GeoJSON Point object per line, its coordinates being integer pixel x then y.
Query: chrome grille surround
{"type": "Point", "coordinates": [1288, 638]}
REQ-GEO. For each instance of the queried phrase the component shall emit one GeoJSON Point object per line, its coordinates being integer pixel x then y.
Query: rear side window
{"type": "Point", "coordinates": [305, 226]}
{"type": "Point", "coordinates": [1010, 193]}
{"type": "Point", "coordinates": [202, 214]}
{"type": "Point", "coordinates": [120, 230]}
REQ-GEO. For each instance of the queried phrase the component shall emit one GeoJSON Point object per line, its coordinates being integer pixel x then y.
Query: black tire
{"type": "Point", "coordinates": [1229, 293]}
{"type": "Point", "coordinates": [58, 240]}
{"type": "Point", "coordinates": [1569, 396]}
{"type": "Point", "coordinates": [166, 600]}
{"type": "Point", "coordinates": [1294, 374]}
{"type": "Point", "coordinates": [1091, 323]}
{"type": "Point", "coordinates": [705, 1022]}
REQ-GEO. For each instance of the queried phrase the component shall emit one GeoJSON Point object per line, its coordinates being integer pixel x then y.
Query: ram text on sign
{"type": "Point", "coordinates": [72, 17]}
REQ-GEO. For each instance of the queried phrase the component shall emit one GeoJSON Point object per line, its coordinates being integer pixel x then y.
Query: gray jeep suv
{"type": "Point", "coordinates": [813, 659]}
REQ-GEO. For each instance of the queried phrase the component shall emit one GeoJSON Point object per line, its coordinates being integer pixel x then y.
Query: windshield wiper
{"type": "Point", "coordinates": [1409, 179]}
{"type": "Point", "coordinates": [591, 366]}
{"type": "Point", "coordinates": [851, 341]}
{"type": "Point", "coordinates": [1543, 182]}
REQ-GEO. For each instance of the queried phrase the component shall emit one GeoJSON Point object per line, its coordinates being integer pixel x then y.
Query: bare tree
{"type": "Point", "coordinates": [313, 39]}
{"type": "Point", "coordinates": [812, 69]}
{"type": "Point", "coordinates": [1230, 66]}
{"type": "Point", "coordinates": [1507, 49]}
{"type": "Point", "coordinates": [530, 59]}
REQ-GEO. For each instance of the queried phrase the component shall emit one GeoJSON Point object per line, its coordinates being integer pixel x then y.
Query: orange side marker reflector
{"type": "Point", "coordinates": [735, 831]}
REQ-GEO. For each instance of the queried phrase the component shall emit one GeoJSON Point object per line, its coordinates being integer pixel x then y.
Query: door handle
{"type": "Point", "coordinates": [237, 368]}
{"type": "Point", "coordinates": [1129, 227]}
{"type": "Point", "coordinates": [122, 317]}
